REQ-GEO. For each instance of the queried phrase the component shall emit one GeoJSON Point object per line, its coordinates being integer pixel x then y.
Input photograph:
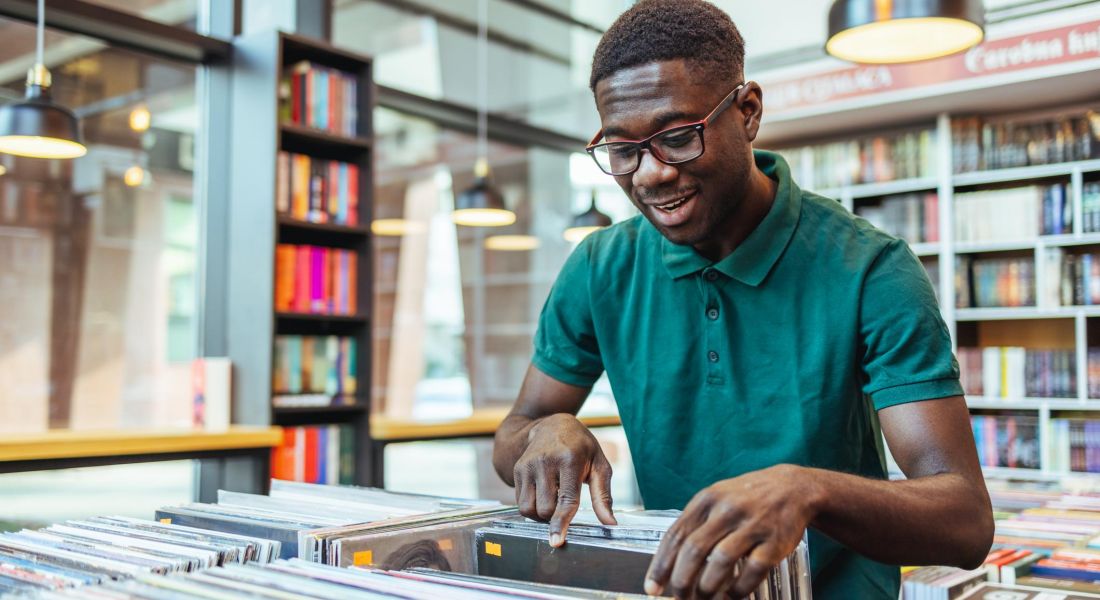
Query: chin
{"type": "Point", "coordinates": [681, 236]}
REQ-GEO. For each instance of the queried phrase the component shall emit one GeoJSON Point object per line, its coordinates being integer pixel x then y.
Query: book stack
{"type": "Point", "coordinates": [320, 97]}
{"type": "Point", "coordinates": [979, 144]}
{"type": "Point", "coordinates": [905, 155]}
{"type": "Point", "coordinates": [102, 549]}
{"type": "Point", "coordinates": [297, 578]}
{"type": "Point", "coordinates": [315, 454]}
{"type": "Point", "coordinates": [911, 217]}
{"type": "Point", "coordinates": [994, 282]}
{"type": "Point", "coordinates": [315, 279]}
{"type": "Point", "coordinates": [1013, 372]}
{"type": "Point", "coordinates": [936, 583]}
{"type": "Point", "coordinates": [612, 558]}
{"type": "Point", "coordinates": [1090, 207]}
{"type": "Point", "coordinates": [314, 370]}
{"type": "Point", "coordinates": [1013, 214]}
{"type": "Point", "coordinates": [1007, 440]}
{"type": "Point", "coordinates": [316, 190]}
{"type": "Point", "coordinates": [998, 591]}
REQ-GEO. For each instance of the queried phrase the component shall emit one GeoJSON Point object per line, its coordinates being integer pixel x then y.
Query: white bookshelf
{"type": "Point", "coordinates": [947, 183]}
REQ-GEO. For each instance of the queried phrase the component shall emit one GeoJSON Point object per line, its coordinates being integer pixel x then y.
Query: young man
{"type": "Point", "coordinates": [756, 336]}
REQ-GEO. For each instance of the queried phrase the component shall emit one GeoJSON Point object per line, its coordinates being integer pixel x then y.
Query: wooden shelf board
{"type": "Point", "coordinates": [925, 248]}
{"type": "Point", "coordinates": [1023, 173]}
{"type": "Point", "coordinates": [984, 402]}
{"type": "Point", "coordinates": [64, 444]}
{"type": "Point", "coordinates": [321, 317]}
{"type": "Point", "coordinates": [480, 423]}
{"type": "Point", "coordinates": [318, 136]}
{"type": "Point", "coordinates": [1024, 312]}
{"type": "Point", "coordinates": [994, 246]}
{"type": "Point", "coordinates": [337, 408]}
{"type": "Point", "coordinates": [291, 222]}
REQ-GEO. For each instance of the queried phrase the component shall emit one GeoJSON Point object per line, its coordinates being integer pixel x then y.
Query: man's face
{"type": "Point", "coordinates": [689, 203]}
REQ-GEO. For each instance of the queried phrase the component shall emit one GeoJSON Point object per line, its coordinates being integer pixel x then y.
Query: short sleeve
{"type": "Point", "coordinates": [565, 343]}
{"type": "Point", "coordinates": [906, 346]}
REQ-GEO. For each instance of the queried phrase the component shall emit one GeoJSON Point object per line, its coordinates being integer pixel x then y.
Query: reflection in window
{"type": "Point", "coordinates": [97, 255]}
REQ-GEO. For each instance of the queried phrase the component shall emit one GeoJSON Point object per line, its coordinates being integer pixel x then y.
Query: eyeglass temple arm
{"type": "Point", "coordinates": [723, 105]}
{"type": "Point", "coordinates": [597, 138]}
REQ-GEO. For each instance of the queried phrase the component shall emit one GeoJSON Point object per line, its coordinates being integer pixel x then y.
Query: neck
{"type": "Point", "coordinates": [758, 198]}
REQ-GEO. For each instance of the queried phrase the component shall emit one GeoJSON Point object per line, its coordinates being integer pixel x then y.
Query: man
{"type": "Point", "coordinates": [756, 337]}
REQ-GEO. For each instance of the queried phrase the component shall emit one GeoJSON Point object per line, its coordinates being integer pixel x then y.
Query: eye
{"type": "Point", "coordinates": [678, 139]}
{"type": "Point", "coordinates": [622, 150]}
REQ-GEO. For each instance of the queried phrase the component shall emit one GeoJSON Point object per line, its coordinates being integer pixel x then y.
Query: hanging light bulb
{"type": "Point", "coordinates": [37, 127]}
{"type": "Point", "coordinates": [140, 118]}
{"type": "Point", "coordinates": [586, 223]}
{"type": "Point", "coordinates": [899, 31]}
{"type": "Point", "coordinates": [3, 169]}
{"type": "Point", "coordinates": [482, 205]}
{"type": "Point", "coordinates": [396, 227]}
{"type": "Point", "coordinates": [134, 176]}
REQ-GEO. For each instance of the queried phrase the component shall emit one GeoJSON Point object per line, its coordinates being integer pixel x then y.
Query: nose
{"type": "Point", "coordinates": [652, 173]}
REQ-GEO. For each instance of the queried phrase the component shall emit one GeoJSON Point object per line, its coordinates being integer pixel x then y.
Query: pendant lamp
{"type": "Point", "coordinates": [900, 31]}
{"type": "Point", "coordinates": [482, 205]}
{"type": "Point", "coordinates": [587, 222]}
{"type": "Point", "coordinates": [37, 127]}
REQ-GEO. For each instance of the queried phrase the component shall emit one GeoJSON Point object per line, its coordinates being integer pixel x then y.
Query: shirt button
{"type": "Point", "coordinates": [712, 356]}
{"type": "Point", "coordinates": [712, 314]}
{"type": "Point", "coordinates": [711, 275]}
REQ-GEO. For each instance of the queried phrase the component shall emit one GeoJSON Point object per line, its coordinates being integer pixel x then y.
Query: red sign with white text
{"type": "Point", "coordinates": [1017, 53]}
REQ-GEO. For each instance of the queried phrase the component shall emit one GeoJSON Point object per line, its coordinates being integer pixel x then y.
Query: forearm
{"type": "Point", "coordinates": [937, 519]}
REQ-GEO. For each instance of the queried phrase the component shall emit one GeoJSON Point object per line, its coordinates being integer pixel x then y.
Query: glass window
{"type": "Point", "coordinates": [455, 313]}
{"type": "Point", "coordinates": [98, 255]}
{"type": "Point", "coordinates": [540, 79]}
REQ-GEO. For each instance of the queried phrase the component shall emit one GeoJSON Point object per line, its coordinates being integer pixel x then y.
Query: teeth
{"type": "Point", "coordinates": [671, 206]}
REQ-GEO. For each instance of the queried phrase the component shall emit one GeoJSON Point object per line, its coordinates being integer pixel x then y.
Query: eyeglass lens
{"type": "Point", "coordinates": [671, 147]}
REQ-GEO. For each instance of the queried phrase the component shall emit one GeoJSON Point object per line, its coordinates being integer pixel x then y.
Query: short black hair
{"type": "Point", "coordinates": [659, 30]}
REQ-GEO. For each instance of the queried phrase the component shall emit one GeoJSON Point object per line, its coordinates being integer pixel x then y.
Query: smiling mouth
{"type": "Point", "coordinates": [672, 206]}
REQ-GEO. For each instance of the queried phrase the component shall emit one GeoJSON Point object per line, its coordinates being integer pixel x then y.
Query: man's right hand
{"type": "Point", "coordinates": [562, 454]}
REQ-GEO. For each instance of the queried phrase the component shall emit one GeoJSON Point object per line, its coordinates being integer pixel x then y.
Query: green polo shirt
{"type": "Point", "coordinates": [780, 352]}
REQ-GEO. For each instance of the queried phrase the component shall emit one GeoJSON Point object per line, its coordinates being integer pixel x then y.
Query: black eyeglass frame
{"type": "Point", "coordinates": [646, 144]}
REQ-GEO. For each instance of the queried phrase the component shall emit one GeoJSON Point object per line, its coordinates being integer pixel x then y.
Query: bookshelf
{"type": "Point", "coordinates": [300, 284]}
{"type": "Point", "coordinates": [952, 160]}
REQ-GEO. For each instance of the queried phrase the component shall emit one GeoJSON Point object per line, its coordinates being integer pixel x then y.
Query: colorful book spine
{"type": "Point", "coordinates": [1012, 372]}
{"type": "Point", "coordinates": [321, 368]}
{"type": "Point", "coordinates": [317, 190]}
{"type": "Point", "coordinates": [314, 279]}
{"type": "Point", "coordinates": [315, 454]}
{"type": "Point", "coordinates": [998, 144]}
{"type": "Point", "coordinates": [995, 282]}
{"type": "Point", "coordinates": [911, 217]}
{"type": "Point", "coordinates": [1007, 440]}
{"type": "Point", "coordinates": [320, 97]}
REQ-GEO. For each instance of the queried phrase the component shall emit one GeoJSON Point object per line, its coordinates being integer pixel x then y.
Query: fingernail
{"type": "Point", "coordinates": [652, 588]}
{"type": "Point", "coordinates": [555, 539]}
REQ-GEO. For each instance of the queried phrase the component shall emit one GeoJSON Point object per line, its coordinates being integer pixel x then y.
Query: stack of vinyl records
{"type": "Point", "coordinates": [613, 558]}
{"type": "Point", "coordinates": [101, 549]}
{"type": "Point", "coordinates": [295, 578]}
{"type": "Point", "coordinates": [304, 517]}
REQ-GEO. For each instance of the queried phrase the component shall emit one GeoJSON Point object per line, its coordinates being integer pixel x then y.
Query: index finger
{"type": "Point", "coordinates": [660, 568]}
{"type": "Point", "coordinates": [569, 491]}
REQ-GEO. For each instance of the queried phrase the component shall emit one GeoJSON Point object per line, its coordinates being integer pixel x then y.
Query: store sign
{"type": "Point", "coordinates": [993, 57]}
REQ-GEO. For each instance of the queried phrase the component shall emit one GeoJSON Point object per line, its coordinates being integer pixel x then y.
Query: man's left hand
{"type": "Point", "coordinates": [758, 517]}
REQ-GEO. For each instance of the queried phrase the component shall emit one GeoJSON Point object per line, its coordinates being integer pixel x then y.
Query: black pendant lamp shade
{"type": "Point", "coordinates": [482, 205]}
{"type": "Point", "coordinates": [587, 222]}
{"type": "Point", "coordinates": [900, 31]}
{"type": "Point", "coordinates": [38, 127]}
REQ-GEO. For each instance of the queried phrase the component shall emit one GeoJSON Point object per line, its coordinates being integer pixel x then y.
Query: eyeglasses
{"type": "Point", "coordinates": [672, 146]}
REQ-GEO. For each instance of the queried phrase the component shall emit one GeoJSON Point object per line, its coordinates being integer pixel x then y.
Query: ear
{"type": "Point", "coordinates": [751, 107]}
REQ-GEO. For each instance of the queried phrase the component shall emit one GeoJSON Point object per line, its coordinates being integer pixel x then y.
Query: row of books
{"type": "Point", "coordinates": [1013, 214]}
{"type": "Point", "coordinates": [315, 279]}
{"type": "Point", "coordinates": [320, 97]}
{"type": "Point", "coordinates": [1092, 366]}
{"type": "Point", "coordinates": [1014, 372]}
{"type": "Point", "coordinates": [1072, 279]}
{"type": "Point", "coordinates": [907, 155]}
{"type": "Point", "coordinates": [315, 454]}
{"type": "Point", "coordinates": [1074, 445]}
{"type": "Point", "coordinates": [1007, 440]}
{"type": "Point", "coordinates": [979, 144]}
{"type": "Point", "coordinates": [317, 190]}
{"type": "Point", "coordinates": [1090, 206]}
{"type": "Point", "coordinates": [911, 217]}
{"type": "Point", "coordinates": [313, 366]}
{"type": "Point", "coordinates": [993, 282]}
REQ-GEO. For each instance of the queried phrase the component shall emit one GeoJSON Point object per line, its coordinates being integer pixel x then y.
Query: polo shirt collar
{"type": "Point", "coordinates": [750, 262]}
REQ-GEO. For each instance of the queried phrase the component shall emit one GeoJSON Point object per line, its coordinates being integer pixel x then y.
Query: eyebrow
{"type": "Point", "coordinates": [660, 122]}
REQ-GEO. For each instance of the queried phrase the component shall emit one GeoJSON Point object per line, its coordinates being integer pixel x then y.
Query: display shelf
{"type": "Point", "coordinates": [76, 444]}
{"type": "Point", "coordinates": [1024, 474]}
{"type": "Point", "coordinates": [994, 246]}
{"type": "Point", "coordinates": [928, 249]}
{"type": "Point", "coordinates": [1024, 173]}
{"type": "Point", "coordinates": [321, 317]}
{"type": "Point", "coordinates": [1070, 239]}
{"type": "Point", "coordinates": [987, 403]}
{"type": "Point", "coordinates": [290, 224]}
{"type": "Point", "coordinates": [481, 422]}
{"type": "Point", "coordinates": [1025, 312]}
{"type": "Point", "coordinates": [301, 136]}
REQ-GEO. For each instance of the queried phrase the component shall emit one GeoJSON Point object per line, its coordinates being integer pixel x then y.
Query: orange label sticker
{"type": "Point", "coordinates": [446, 544]}
{"type": "Point", "coordinates": [492, 549]}
{"type": "Point", "coordinates": [166, 521]}
{"type": "Point", "coordinates": [363, 558]}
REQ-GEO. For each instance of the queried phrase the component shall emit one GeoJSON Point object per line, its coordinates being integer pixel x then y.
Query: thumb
{"type": "Point", "coordinates": [599, 484]}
